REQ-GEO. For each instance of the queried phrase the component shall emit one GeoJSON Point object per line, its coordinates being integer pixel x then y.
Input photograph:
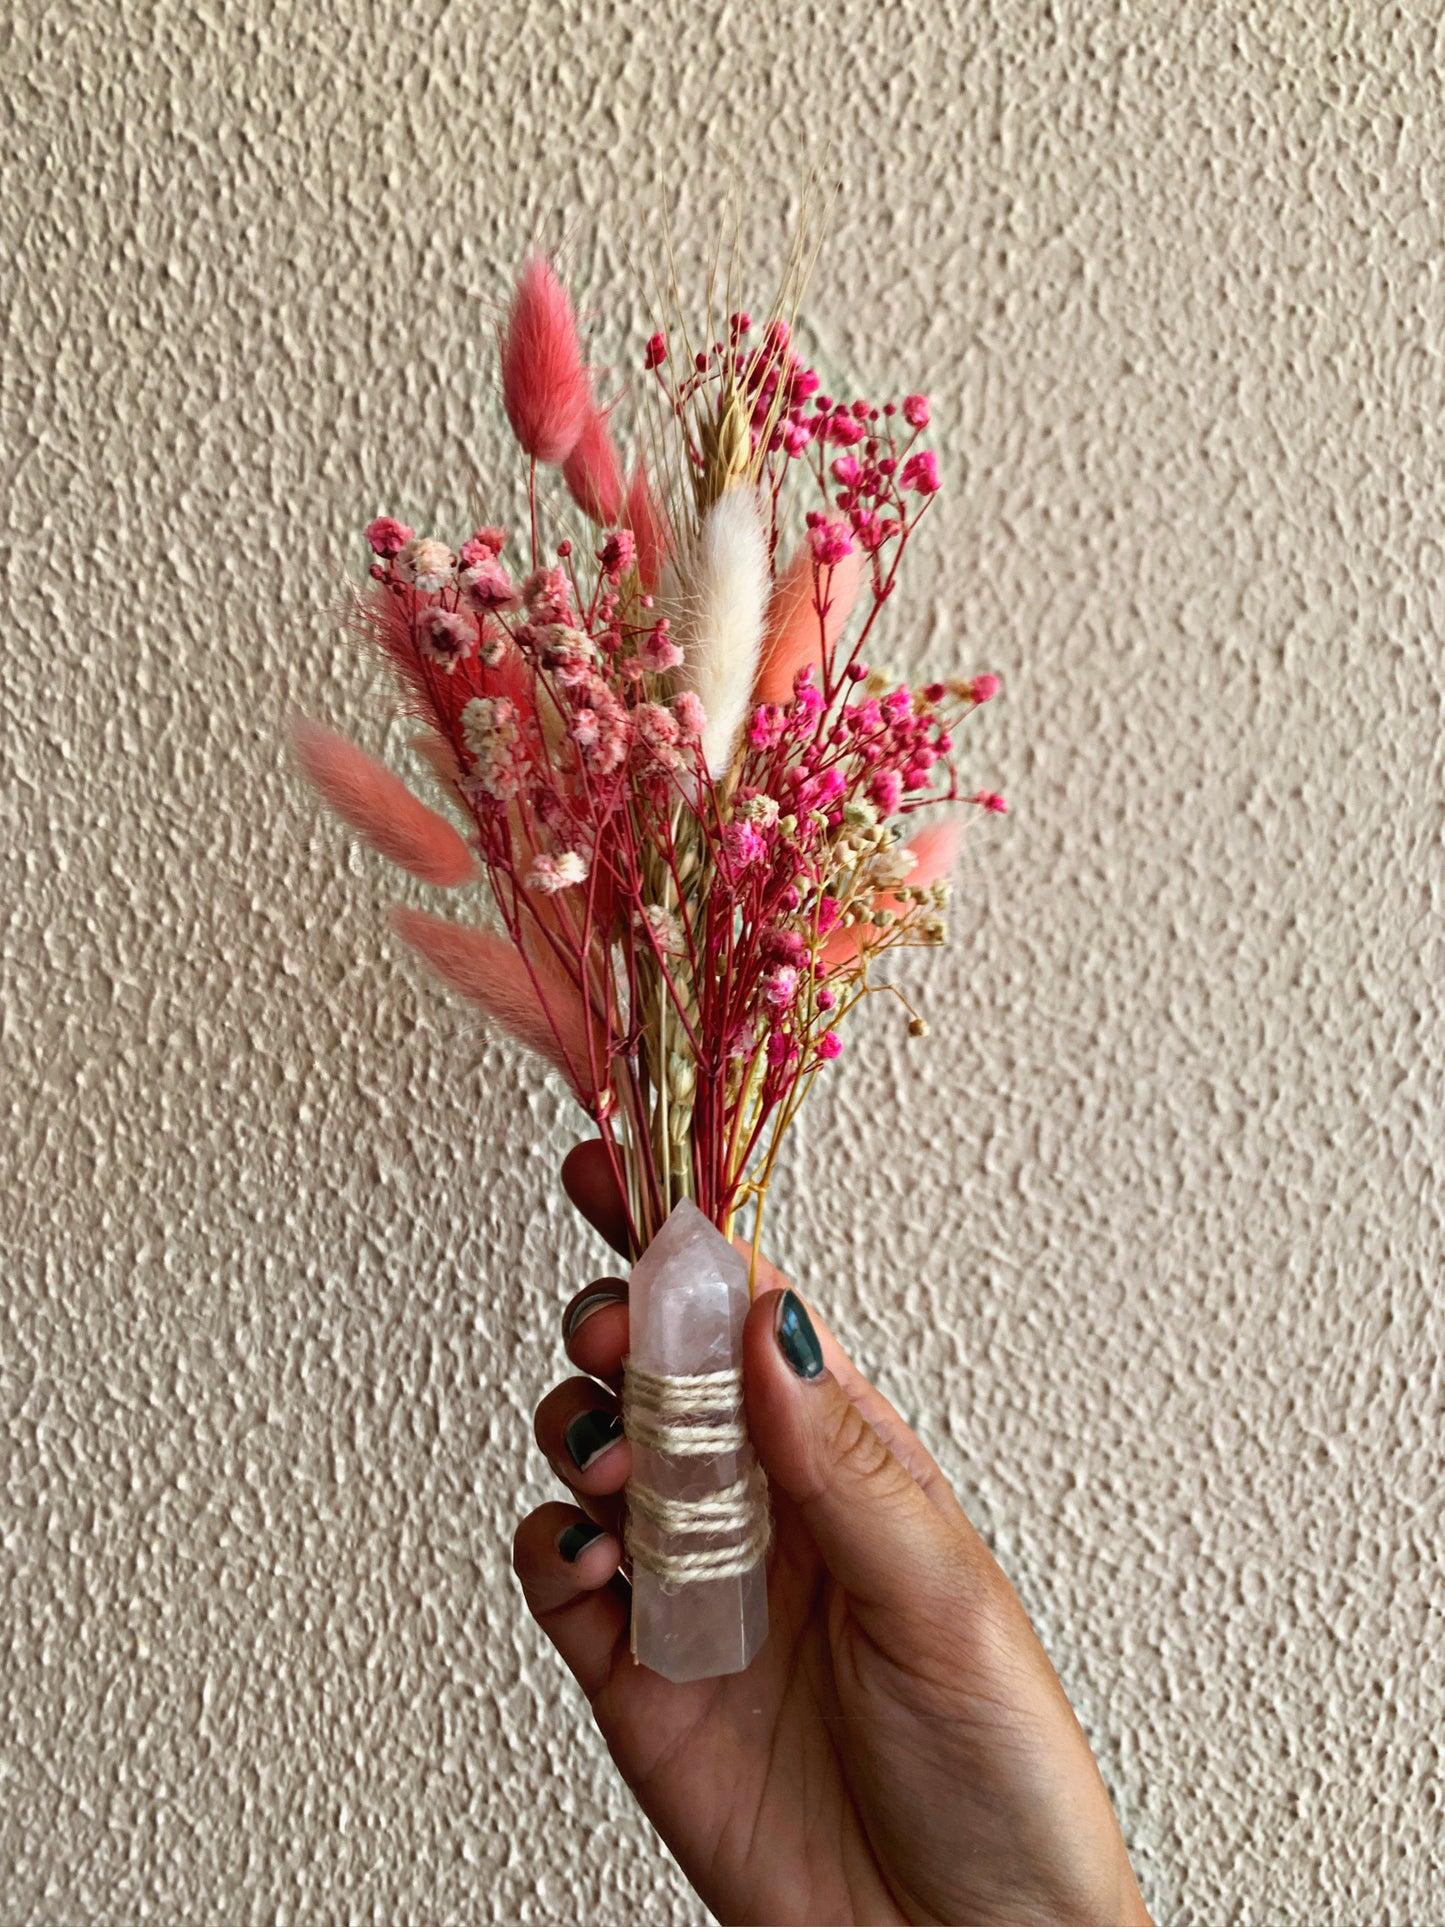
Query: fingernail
{"type": "Point", "coordinates": [585, 1307]}
{"type": "Point", "coordinates": [573, 1539]}
{"type": "Point", "coordinates": [797, 1340]}
{"type": "Point", "coordinates": [590, 1434]}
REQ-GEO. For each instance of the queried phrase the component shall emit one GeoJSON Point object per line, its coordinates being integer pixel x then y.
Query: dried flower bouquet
{"type": "Point", "coordinates": [687, 790]}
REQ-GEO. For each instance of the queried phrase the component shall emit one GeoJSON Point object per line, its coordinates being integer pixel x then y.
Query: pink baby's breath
{"type": "Point", "coordinates": [886, 790]}
{"type": "Point", "coordinates": [830, 542]}
{"type": "Point", "coordinates": [446, 636]}
{"type": "Point", "coordinates": [690, 714]}
{"type": "Point", "coordinates": [549, 874]}
{"type": "Point", "coordinates": [484, 546]}
{"type": "Point", "coordinates": [618, 553]}
{"type": "Point", "coordinates": [387, 536]}
{"type": "Point", "coordinates": [487, 585]}
{"type": "Point", "coordinates": [547, 594]}
{"type": "Point", "coordinates": [428, 565]}
{"type": "Point", "coordinates": [743, 844]}
{"type": "Point", "coordinates": [658, 732]}
{"type": "Point", "coordinates": [659, 652]}
{"type": "Point", "coordinates": [780, 986]}
{"type": "Point", "coordinates": [765, 729]}
{"type": "Point", "coordinates": [920, 472]}
{"type": "Point", "coordinates": [491, 734]}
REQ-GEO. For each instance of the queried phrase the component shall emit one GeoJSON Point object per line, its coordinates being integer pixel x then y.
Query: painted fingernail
{"type": "Point", "coordinates": [797, 1340]}
{"type": "Point", "coordinates": [584, 1308]}
{"type": "Point", "coordinates": [574, 1539]}
{"type": "Point", "coordinates": [590, 1434]}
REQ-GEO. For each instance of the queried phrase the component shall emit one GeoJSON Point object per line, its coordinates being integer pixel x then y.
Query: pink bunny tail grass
{"type": "Point", "coordinates": [794, 636]}
{"type": "Point", "coordinates": [649, 529]}
{"type": "Point", "coordinates": [935, 851]}
{"type": "Point", "coordinates": [487, 971]}
{"type": "Point", "coordinates": [593, 471]}
{"type": "Point", "coordinates": [385, 622]}
{"type": "Point", "coordinates": [544, 383]}
{"type": "Point", "coordinates": [380, 806]}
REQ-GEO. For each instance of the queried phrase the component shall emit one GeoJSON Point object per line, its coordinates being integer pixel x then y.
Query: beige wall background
{"type": "Point", "coordinates": [1146, 1240]}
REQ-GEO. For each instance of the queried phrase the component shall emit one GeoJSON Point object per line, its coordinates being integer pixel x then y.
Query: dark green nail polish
{"type": "Point", "coordinates": [584, 1308]}
{"type": "Point", "coordinates": [576, 1538]}
{"type": "Point", "coordinates": [590, 1434]}
{"type": "Point", "coordinates": [797, 1340]}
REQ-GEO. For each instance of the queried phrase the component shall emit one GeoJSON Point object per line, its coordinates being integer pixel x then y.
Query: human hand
{"type": "Point", "coordinates": [901, 1749]}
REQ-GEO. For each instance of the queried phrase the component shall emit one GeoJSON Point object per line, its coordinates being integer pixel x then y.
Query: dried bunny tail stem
{"type": "Point", "coordinates": [593, 470]}
{"type": "Point", "coordinates": [533, 1004]}
{"type": "Point", "coordinates": [545, 386]}
{"type": "Point", "coordinates": [722, 593]}
{"type": "Point", "coordinates": [379, 805]}
{"type": "Point", "coordinates": [795, 636]}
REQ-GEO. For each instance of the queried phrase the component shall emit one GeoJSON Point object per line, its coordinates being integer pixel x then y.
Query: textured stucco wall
{"type": "Point", "coordinates": [1147, 1240]}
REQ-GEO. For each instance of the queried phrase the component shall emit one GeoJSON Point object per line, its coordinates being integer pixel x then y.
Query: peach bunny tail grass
{"type": "Point", "coordinates": [488, 971]}
{"type": "Point", "coordinates": [545, 386]}
{"type": "Point", "coordinates": [795, 637]}
{"type": "Point", "coordinates": [593, 471]}
{"type": "Point", "coordinates": [934, 852]}
{"type": "Point", "coordinates": [378, 805]}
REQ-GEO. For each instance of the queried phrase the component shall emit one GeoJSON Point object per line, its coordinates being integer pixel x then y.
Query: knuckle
{"type": "Point", "coordinates": [852, 1447]}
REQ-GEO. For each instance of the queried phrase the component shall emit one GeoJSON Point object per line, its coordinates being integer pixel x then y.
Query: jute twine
{"type": "Point", "coordinates": [694, 1416]}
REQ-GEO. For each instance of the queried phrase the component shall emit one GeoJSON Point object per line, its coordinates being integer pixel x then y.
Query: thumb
{"type": "Point", "coordinates": [871, 1522]}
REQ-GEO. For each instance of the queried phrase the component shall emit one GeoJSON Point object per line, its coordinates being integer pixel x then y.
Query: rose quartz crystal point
{"type": "Point", "coordinates": [686, 1308]}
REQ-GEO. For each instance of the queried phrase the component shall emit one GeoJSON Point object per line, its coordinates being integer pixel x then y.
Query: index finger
{"type": "Point", "coordinates": [588, 1181]}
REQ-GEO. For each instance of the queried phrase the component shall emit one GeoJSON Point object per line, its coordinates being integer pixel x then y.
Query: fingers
{"type": "Point", "coordinates": [875, 1528]}
{"type": "Point", "coordinates": [595, 1326]}
{"type": "Point", "coordinates": [594, 1329]}
{"type": "Point", "coordinates": [579, 1429]}
{"type": "Point", "coordinates": [899, 1437]}
{"type": "Point", "coordinates": [588, 1181]}
{"type": "Point", "coordinates": [577, 1601]}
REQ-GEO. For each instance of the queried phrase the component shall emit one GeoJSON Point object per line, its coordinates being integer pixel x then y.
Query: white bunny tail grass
{"type": "Point", "coordinates": [724, 589]}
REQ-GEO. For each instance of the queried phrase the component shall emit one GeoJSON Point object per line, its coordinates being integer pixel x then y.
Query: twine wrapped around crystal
{"type": "Point", "coordinates": [697, 1415]}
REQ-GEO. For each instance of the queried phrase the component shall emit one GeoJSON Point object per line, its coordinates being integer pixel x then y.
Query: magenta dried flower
{"type": "Point", "coordinates": [388, 536]}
